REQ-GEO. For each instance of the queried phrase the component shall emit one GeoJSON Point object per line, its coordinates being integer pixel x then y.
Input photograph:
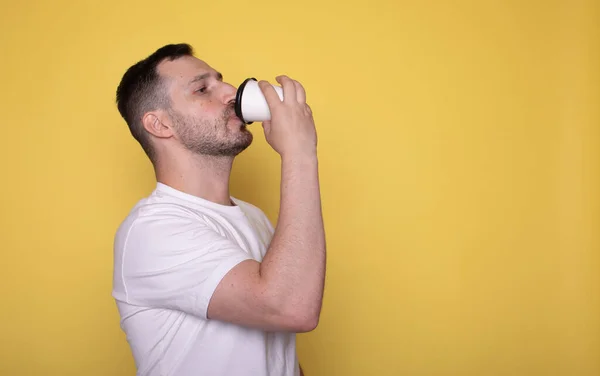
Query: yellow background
{"type": "Point", "coordinates": [460, 165]}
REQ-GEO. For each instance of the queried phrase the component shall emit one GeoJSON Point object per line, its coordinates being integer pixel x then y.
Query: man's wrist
{"type": "Point", "coordinates": [299, 157]}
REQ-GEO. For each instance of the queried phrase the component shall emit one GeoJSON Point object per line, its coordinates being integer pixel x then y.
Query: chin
{"type": "Point", "coordinates": [244, 138]}
{"type": "Point", "coordinates": [250, 139]}
{"type": "Point", "coordinates": [240, 147]}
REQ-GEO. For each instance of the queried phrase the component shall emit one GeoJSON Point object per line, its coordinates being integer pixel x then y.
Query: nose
{"type": "Point", "coordinates": [229, 92]}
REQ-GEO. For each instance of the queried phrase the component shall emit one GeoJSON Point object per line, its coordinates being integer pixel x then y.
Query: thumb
{"type": "Point", "coordinates": [270, 94]}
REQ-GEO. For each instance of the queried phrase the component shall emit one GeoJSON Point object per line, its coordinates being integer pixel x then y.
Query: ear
{"type": "Point", "coordinates": [157, 124]}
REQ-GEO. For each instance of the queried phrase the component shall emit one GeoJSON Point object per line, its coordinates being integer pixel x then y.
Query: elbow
{"type": "Point", "coordinates": [296, 314]}
{"type": "Point", "coordinates": [303, 321]}
{"type": "Point", "coordinates": [308, 324]}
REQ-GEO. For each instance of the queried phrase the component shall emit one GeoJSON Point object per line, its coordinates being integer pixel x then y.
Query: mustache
{"type": "Point", "coordinates": [229, 110]}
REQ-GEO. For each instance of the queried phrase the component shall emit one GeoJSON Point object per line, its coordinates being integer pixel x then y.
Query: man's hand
{"type": "Point", "coordinates": [284, 291]}
{"type": "Point", "coordinates": [291, 129]}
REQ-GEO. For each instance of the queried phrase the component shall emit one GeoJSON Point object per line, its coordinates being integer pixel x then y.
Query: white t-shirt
{"type": "Point", "coordinates": [170, 254]}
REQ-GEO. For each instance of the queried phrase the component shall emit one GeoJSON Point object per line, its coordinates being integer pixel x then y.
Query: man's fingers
{"type": "Point", "coordinates": [307, 109]}
{"type": "Point", "coordinates": [300, 92]}
{"type": "Point", "coordinates": [266, 126]}
{"type": "Point", "coordinates": [289, 89]}
{"type": "Point", "coordinates": [269, 93]}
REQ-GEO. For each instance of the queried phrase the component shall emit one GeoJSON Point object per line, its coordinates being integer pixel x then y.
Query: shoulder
{"type": "Point", "coordinates": [154, 224]}
{"type": "Point", "coordinates": [150, 212]}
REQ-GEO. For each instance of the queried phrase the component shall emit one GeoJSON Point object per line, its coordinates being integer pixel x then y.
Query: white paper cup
{"type": "Point", "coordinates": [250, 103]}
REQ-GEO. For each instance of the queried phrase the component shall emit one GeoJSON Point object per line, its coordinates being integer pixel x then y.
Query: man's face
{"type": "Point", "coordinates": [202, 108]}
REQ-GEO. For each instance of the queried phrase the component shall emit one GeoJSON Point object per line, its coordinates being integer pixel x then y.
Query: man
{"type": "Point", "coordinates": [203, 283]}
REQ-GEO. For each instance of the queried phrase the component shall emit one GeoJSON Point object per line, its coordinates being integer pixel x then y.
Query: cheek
{"type": "Point", "coordinates": [210, 107]}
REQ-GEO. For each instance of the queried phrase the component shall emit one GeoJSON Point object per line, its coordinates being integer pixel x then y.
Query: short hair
{"type": "Point", "coordinates": [141, 90]}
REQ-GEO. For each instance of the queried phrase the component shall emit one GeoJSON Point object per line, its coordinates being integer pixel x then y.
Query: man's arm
{"type": "Point", "coordinates": [285, 291]}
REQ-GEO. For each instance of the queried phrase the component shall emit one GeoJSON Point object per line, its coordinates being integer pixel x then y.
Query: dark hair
{"type": "Point", "coordinates": [141, 90]}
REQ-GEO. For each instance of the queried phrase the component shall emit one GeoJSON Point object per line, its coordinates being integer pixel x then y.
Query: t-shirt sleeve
{"type": "Point", "coordinates": [176, 262]}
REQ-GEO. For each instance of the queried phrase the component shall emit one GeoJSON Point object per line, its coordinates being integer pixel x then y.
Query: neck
{"type": "Point", "coordinates": [203, 176]}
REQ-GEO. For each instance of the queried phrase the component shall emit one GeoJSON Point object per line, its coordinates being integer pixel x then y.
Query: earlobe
{"type": "Point", "coordinates": [154, 125]}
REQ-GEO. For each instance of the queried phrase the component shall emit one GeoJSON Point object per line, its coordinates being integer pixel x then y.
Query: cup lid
{"type": "Point", "coordinates": [238, 99]}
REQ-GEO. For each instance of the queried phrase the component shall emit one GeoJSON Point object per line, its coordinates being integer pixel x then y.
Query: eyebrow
{"type": "Point", "coordinates": [200, 77]}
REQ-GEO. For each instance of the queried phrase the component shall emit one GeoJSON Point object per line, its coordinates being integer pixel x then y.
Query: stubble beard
{"type": "Point", "coordinates": [211, 137]}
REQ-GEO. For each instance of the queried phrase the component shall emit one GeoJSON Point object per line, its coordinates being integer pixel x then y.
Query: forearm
{"type": "Point", "coordinates": [294, 266]}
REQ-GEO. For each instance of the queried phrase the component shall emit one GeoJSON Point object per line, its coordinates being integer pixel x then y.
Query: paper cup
{"type": "Point", "coordinates": [250, 103]}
